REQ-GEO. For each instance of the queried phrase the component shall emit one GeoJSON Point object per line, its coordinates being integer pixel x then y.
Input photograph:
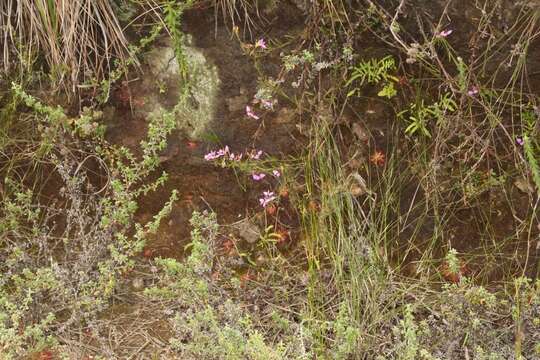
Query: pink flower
{"type": "Point", "coordinates": [276, 173]}
{"type": "Point", "coordinates": [250, 113]}
{"type": "Point", "coordinates": [445, 33]}
{"type": "Point", "coordinates": [268, 197]}
{"type": "Point", "coordinates": [267, 104]}
{"type": "Point", "coordinates": [258, 177]}
{"type": "Point", "coordinates": [235, 157]}
{"type": "Point", "coordinates": [520, 141]}
{"type": "Point", "coordinates": [260, 43]}
{"type": "Point", "coordinates": [256, 156]}
{"type": "Point", "coordinates": [212, 155]}
{"type": "Point", "coordinates": [473, 91]}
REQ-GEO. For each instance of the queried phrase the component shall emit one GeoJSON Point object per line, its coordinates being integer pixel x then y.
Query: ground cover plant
{"type": "Point", "coordinates": [367, 188]}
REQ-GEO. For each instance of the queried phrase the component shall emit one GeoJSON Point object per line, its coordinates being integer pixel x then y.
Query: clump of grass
{"type": "Point", "coordinates": [77, 40]}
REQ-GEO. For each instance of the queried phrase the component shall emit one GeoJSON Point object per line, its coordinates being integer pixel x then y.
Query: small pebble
{"type": "Point", "coordinates": [138, 284]}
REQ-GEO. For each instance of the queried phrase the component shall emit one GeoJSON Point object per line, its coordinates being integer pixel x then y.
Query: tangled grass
{"type": "Point", "coordinates": [77, 40]}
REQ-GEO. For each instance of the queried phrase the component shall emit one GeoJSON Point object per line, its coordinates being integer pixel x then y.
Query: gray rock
{"type": "Point", "coordinates": [137, 283]}
{"type": "Point", "coordinates": [249, 231]}
{"type": "Point", "coordinates": [196, 110]}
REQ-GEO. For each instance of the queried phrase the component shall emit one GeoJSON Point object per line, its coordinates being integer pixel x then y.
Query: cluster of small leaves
{"type": "Point", "coordinates": [310, 63]}
{"type": "Point", "coordinates": [420, 115]}
{"type": "Point", "coordinates": [211, 322]}
{"type": "Point", "coordinates": [371, 72]}
{"type": "Point", "coordinates": [71, 267]}
{"type": "Point", "coordinates": [464, 320]}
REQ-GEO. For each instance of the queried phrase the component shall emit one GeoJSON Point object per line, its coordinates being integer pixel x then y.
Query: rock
{"type": "Point", "coordinates": [360, 187]}
{"type": "Point", "coordinates": [137, 283]}
{"type": "Point", "coordinates": [360, 132]}
{"type": "Point", "coordinates": [357, 190]}
{"type": "Point", "coordinates": [194, 114]}
{"type": "Point", "coordinates": [302, 5]}
{"type": "Point", "coordinates": [237, 103]}
{"type": "Point", "coordinates": [356, 164]}
{"type": "Point", "coordinates": [524, 186]}
{"type": "Point", "coordinates": [249, 231]}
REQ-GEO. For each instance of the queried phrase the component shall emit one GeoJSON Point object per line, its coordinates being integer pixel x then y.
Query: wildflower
{"type": "Point", "coordinates": [520, 141]}
{"type": "Point", "coordinates": [276, 173]}
{"type": "Point", "coordinates": [445, 33]}
{"type": "Point", "coordinates": [269, 105]}
{"type": "Point", "coordinates": [261, 43]}
{"type": "Point", "coordinates": [377, 158]}
{"type": "Point", "coordinates": [268, 197]}
{"type": "Point", "coordinates": [256, 156]}
{"type": "Point", "coordinates": [212, 155]}
{"type": "Point", "coordinates": [473, 91]}
{"type": "Point", "coordinates": [250, 113]}
{"type": "Point", "coordinates": [258, 177]}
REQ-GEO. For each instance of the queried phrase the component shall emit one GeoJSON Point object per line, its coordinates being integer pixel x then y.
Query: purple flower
{"type": "Point", "coordinates": [445, 33]}
{"type": "Point", "coordinates": [256, 156]}
{"type": "Point", "coordinates": [260, 43]}
{"type": "Point", "coordinates": [268, 197]}
{"type": "Point", "coordinates": [276, 173]}
{"type": "Point", "coordinates": [267, 104]}
{"type": "Point", "coordinates": [520, 141]}
{"type": "Point", "coordinates": [250, 113]}
{"type": "Point", "coordinates": [236, 157]}
{"type": "Point", "coordinates": [473, 91]}
{"type": "Point", "coordinates": [212, 155]}
{"type": "Point", "coordinates": [258, 177]}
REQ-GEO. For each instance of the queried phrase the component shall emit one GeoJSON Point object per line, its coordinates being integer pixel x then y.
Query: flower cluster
{"type": "Point", "coordinates": [255, 155]}
{"type": "Point", "coordinates": [212, 155]}
{"type": "Point", "coordinates": [268, 197]}
{"type": "Point", "coordinates": [223, 153]}
{"type": "Point", "coordinates": [228, 155]}
{"type": "Point", "coordinates": [261, 176]}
